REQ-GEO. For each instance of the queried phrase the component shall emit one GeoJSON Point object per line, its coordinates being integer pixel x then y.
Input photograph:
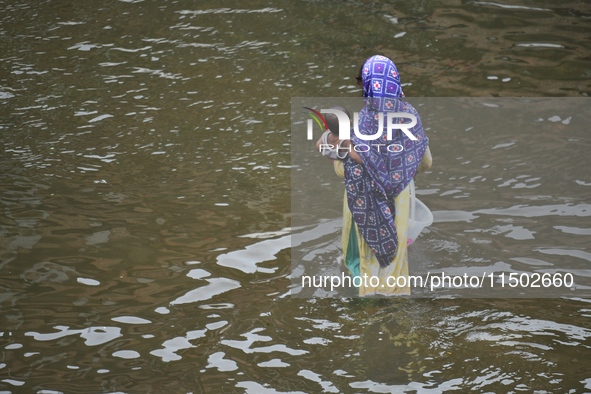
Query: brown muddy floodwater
{"type": "Point", "coordinates": [145, 189]}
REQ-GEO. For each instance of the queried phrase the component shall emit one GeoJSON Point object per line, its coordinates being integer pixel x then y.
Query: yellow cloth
{"type": "Point", "coordinates": [369, 266]}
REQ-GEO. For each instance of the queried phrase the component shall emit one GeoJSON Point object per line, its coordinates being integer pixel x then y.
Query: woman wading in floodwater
{"type": "Point", "coordinates": [376, 205]}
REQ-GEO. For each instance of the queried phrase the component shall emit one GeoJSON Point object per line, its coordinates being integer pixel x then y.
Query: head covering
{"type": "Point", "coordinates": [380, 78]}
{"type": "Point", "coordinates": [386, 170]}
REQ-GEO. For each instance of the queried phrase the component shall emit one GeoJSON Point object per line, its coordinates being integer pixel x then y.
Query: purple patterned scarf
{"type": "Point", "coordinates": [372, 187]}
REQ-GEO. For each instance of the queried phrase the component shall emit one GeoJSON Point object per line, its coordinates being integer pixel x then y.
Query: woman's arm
{"type": "Point", "coordinates": [352, 153]}
{"type": "Point", "coordinates": [344, 148]}
{"type": "Point", "coordinates": [426, 162]}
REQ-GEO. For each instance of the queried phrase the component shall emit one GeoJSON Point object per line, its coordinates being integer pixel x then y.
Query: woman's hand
{"type": "Point", "coordinates": [352, 153]}
{"type": "Point", "coordinates": [333, 141]}
{"type": "Point", "coordinates": [327, 144]}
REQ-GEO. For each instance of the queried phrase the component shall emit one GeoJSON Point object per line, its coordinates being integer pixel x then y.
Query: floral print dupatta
{"type": "Point", "coordinates": [388, 165]}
